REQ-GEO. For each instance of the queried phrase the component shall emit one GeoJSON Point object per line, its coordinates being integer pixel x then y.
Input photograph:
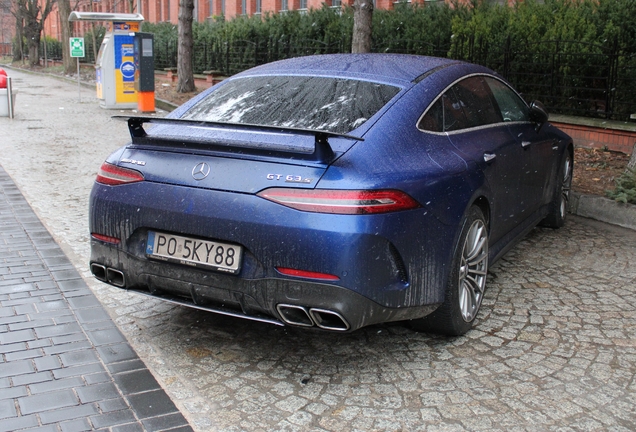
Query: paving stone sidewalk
{"type": "Point", "coordinates": [554, 348]}
{"type": "Point", "coordinates": [64, 365]}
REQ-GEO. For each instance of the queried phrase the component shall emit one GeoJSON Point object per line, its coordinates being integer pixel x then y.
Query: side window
{"type": "Point", "coordinates": [446, 114]}
{"type": "Point", "coordinates": [511, 106]}
{"type": "Point", "coordinates": [434, 119]}
{"type": "Point", "coordinates": [477, 102]}
{"type": "Point", "coordinates": [469, 103]}
{"type": "Point", "coordinates": [454, 113]}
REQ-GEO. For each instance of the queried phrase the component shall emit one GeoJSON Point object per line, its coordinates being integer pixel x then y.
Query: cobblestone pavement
{"type": "Point", "coordinates": [64, 366]}
{"type": "Point", "coordinates": [554, 347]}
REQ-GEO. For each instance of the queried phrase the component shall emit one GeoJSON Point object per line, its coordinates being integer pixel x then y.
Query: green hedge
{"type": "Point", "coordinates": [578, 56]}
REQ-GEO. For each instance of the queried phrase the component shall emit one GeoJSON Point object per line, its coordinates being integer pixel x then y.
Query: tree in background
{"type": "Point", "coordinates": [362, 26]}
{"type": "Point", "coordinates": [185, 83]}
{"type": "Point", "coordinates": [69, 63]}
{"type": "Point", "coordinates": [33, 14]}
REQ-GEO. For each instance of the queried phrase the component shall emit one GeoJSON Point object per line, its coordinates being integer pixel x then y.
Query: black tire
{"type": "Point", "coordinates": [466, 283]}
{"type": "Point", "coordinates": [559, 206]}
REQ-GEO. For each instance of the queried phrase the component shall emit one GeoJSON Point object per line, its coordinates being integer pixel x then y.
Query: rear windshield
{"type": "Point", "coordinates": [316, 103]}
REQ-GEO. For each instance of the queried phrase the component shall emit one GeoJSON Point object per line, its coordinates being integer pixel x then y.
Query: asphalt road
{"type": "Point", "coordinates": [554, 347]}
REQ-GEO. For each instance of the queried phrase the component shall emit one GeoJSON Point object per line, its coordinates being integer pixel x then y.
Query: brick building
{"type": "Point", "coordinates": [7, 27]}
{"type": "Point", "coordinates": [155, 11]}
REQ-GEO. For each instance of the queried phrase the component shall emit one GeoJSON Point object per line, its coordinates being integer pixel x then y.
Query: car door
{"type": "Point", "coordinates": [468, 114]}
{"type": "Point", "coordinates": [536, 142]}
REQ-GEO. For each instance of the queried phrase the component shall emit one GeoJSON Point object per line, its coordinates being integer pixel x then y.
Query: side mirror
{"type": "Point", "coordinates": [538, 113]}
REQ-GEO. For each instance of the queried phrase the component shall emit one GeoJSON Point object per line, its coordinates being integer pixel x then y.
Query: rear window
{"type": "Point", "coordinates": [317, 103]}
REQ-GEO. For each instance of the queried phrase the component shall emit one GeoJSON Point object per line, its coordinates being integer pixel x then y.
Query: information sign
{"type": "Point", "coordinates": [77, 47]}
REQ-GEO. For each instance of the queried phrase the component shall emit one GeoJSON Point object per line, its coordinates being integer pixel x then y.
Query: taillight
{"type": "Point", "coordinates": [306, 274]}
{"type": "Point", "coordinates": [341, 201]}
{"type": "Point", "coordinates": [105, 238]}
{"type": "Point", "coordinates": [113, 175]}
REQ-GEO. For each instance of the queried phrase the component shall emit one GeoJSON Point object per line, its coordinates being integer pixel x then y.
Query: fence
{"type": "Point", "coordinates": [6, 49]}
{"type": "Point", "coordinates": [232, 56]}
{"type": "Point", "coordinates": [568, 76]}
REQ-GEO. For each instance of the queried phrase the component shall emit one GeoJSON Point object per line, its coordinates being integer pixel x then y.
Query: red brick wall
{"type": "Point", "coordinates": [591, 137]}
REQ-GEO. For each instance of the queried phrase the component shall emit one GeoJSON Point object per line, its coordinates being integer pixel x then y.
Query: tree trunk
{"type": "Point", "coordinates": [632, 160]}
{"type": "Point", "coordinates": [185, 83]}
{"type": "Point", "coordinates": [18, 53]}
{"type": "Point", "coordinates": [34, 15]}
{"type": "Point", "coordinates": [70, 64]}
{"type": "Point", "coordinates": [362, 26]}
{"type": "Point", "coordinates": [94, 37]}
{"type": "Point", "coordinates": [32, 32]}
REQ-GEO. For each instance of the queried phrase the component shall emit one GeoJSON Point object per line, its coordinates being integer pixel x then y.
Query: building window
{"type": "Point", "coordinates": [259, 6]}
{"type": "Point", "coordinates": [336, 3]}
{"type": "Point", "coordinates": [303, 4]}
{"type": "Point", "coordinates": [167, 10]}
{"type": "Point", "coordinates": [243, 7]}
{"type": "Point", "coordinates": [223, 7]}
{"type": "Point", "coordinates": [283, 5]}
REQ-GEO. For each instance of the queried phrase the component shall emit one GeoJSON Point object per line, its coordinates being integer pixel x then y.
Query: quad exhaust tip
{"type": "Point", "coordinates": [108, 275]}
{"type": "Point", "coordinates": [290, 314]}
{"type": "Point", "coordinates": [309, 317]}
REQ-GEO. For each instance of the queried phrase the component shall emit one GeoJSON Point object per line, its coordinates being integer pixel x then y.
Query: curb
{"type": "Point", "coordinates": [165, 105]}
{"type": "Point", "coordinates": [603, 209]}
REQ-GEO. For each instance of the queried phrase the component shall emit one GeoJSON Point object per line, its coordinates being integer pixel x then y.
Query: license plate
{"type": "Point", "coordinates": [194, 252]}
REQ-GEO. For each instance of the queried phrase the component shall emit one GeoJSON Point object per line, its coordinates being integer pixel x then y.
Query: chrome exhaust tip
{"type": "Point", "coordinates": [99, 271]}
{"type": "Point", "coordinates": [115, 277]}
{"type": "Point", "coordinates": [294, 315]}
{"type": "Point", "coordinates": [329, 320]}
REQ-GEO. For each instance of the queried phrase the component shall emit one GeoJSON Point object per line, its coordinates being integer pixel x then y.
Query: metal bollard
{"type": "Point", "coordinates": [10, 97]}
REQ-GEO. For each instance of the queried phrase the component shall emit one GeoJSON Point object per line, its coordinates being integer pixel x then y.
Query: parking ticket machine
{"type": "Point", "coordinates": [144, 71]}
{"type": "Point", "coordinates": [115, 64]}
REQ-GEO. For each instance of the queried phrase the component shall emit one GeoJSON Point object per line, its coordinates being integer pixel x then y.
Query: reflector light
{"type": "Point", "coordinates": [113, 175]}
{"type": "Point", "coordinates": [341, 201]}
{"type": "Point", "coordinates": [105, 238]}
{"type": "Point", "coordinates": [306, 274]}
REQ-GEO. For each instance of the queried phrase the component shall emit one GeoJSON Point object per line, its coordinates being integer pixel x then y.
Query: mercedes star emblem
{"type": "Point", "coordinates": [200, 171]}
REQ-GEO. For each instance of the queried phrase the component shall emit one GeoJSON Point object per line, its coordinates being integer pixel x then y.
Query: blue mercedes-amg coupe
{"type": "Point", "coordinates": [332, 192]}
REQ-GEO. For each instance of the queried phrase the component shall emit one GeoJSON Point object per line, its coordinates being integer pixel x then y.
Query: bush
{"type": "Point", "coordinates": [92, 44]}
{"type": "Point", "coordinates": [625, 191]}
{"type": "Point", "coordinates": [52, 47]}
{"type": "Point", "coordinates": [577, 56]}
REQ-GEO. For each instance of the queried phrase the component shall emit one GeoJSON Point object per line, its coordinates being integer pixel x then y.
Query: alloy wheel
{"type": "Point", "coordinates": [473, 269]}
{"type": "Point", "coordinates": [566, 186]}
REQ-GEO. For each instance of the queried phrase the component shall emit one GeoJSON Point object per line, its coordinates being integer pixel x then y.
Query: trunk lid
{"type": "Point", "coordinates": [236, 158]}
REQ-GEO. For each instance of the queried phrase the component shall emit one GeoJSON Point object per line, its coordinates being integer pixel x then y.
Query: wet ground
{"type": "Point", "coordinates": [554, 347]}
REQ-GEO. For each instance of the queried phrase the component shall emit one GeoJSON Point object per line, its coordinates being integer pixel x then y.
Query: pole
{"type": "Point", "coordinates": [10, 97]}
{"type": "Point", "coordinates": [79, 92]}
{"type": "Point", "coordinates": [46, 55]}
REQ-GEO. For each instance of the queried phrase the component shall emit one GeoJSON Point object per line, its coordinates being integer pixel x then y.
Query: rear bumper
{"type": "Point", "coordinates": [396, 260]}
{"type": "Point", "coordinates": [389, 267]}
{"type": "Point", "coordinates": [269, 299]}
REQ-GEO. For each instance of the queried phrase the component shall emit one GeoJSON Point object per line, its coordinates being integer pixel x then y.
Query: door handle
{"type": "Point", "coordinates": [489, 156]}
{"type": "Point", "coordinates": [525, 144]}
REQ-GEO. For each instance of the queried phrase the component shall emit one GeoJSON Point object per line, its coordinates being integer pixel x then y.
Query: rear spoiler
{"type": "Point", "coordinates": [322, 153]}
